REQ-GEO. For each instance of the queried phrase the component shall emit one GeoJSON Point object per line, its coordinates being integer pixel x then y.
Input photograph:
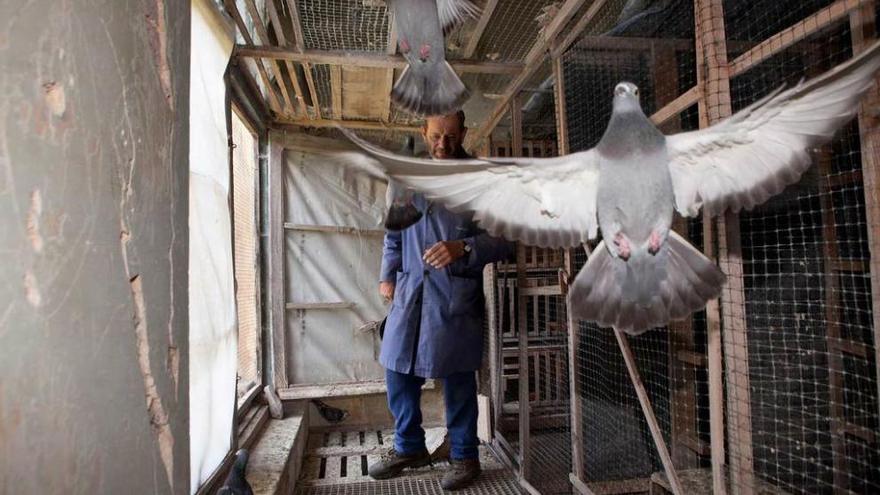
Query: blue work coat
{"type": "Point", "coordinates": [435, 325]}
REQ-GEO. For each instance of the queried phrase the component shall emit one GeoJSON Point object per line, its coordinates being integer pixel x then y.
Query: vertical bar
{"type": "Point", "coordinates": [683, 393]}
{"type": "Point", "coordinates": [645, 402]}
{"type": "Point", "coordinates": [490, 292]}
{"type": "Point", "coordinates": [277, 325]}
{"type": "Point", "coordinates": [714, 78]}
{"type": "Point", "coordinates": [522, 307]}
{"type": "Point", "coordinates": [572, 325]}
{"type": "Point", "coordinates": [864, 31]}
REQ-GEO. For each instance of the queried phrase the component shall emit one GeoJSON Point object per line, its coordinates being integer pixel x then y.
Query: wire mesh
{"type": "Point", "coordinates": [801, 406]}
{"type": "Point", "coordinates": [244, 186]}
{"type": "Point", "coordinates": [812, 399]}
{"type": "Point", "coordinates": [344, 24]}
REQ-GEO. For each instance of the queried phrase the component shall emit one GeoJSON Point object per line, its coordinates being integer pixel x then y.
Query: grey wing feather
{"type": "Point", "coordinates": [454, 12]}
{"type": "Point", "coordinates": [753, 155]}
{"type": "Point", "coordinates": [548, 202]}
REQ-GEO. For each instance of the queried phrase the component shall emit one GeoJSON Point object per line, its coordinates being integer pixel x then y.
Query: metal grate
{"type": "Point", "coordinates": [336, 461]}
{"type": "Point", "coordinates": [344, 24]}
{"type": "Point", "coordinates": [490, 483]}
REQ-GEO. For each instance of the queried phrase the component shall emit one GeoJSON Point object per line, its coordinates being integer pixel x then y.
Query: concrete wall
{"type": "Point", "coordinates": [93, 238]}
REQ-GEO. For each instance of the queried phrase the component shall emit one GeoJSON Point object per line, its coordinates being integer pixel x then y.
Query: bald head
{"type": "Point", "coordinates": [444, 134]}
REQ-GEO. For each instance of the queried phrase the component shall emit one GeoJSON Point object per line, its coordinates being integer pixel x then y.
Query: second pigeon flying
{"type": "Point", "coordinates": [428, 84]}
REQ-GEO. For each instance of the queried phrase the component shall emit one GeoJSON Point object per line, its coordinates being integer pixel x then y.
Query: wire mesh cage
{"type": "Point", "coordinates": [799, 384]}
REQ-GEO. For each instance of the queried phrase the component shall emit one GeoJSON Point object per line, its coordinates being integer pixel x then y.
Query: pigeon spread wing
{"type": "Point", "coordinates": [549, 202]}
{"type": "Point", "coordinates": [454, 12]}
{"type": "Point", "coordinates": [744, 160]}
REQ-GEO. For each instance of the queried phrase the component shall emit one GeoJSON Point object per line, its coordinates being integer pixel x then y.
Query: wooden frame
{"type": "Point", "coordinates": [713, 77]}
{"type": "Point", "coordinates": [276, 299]}
{"type": "Point", "coordinates": [365, 59]}
{"type": "Point", "coordinates": [274, 103]}
{"type": "Point", "coordinates": [864, 31]}
{"type": "Point", "coordinates": [533, 61]}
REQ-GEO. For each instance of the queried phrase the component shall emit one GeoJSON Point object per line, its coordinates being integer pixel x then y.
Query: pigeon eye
{"type": "Point", "coordinates": [636, 92]}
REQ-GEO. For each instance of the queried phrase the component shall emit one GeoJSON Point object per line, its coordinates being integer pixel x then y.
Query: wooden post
{"type": "Point", "coordinates": [713, 78]}
{"type": "Point", "coordinates": [645, 402]}
{"type": "Point", "coordinates": [522, 307]}
{"type": "Point", "coordinates": [573, 325]}
{"type": "Point", "coordinates": [864, 32]}
{"type": "Point", "coordinates": [683, 396]}
{"type": "Point", "coordinates": [490, 278]}
{"type": "Point", "coordinates": [276, 297]}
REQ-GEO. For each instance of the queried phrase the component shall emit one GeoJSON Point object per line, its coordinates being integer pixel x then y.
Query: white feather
{"type": "Point", "coordinates": [454, 12]}
{"type": "Point", "coordinates": [744, 160]}
{"type": "Point", "coordinates": [546, 202]}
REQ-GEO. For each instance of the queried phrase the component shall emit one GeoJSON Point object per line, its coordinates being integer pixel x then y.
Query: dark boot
{"type": "Point", "coordinates": [391, 463]}
{"type": "Point", "coordinates": [460, 474]}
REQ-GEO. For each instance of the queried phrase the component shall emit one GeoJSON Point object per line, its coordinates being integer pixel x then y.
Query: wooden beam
{"type": "Point", "coordinates": [367, 59]}
{"type": "Point", "coordinates": [300, 44]}
{"type": "Point", "coordinates": [477, 33]}
{"type": "Point", "coordinates": [522, 314]}
{"type": "Point", "coordinates": [648, 411]}
{"type": "Point", "coordinates": [320, 305]}
{"type": "Point", "coordinates": [864, 32]}
{"type": "Point", "coordinates": [562, 145]}
{"type": "Point", "coordinates": [274, 102]}
{"type": "Point", "coordinates": [388, 83]}
{"type": "Point", "coordinates": [334, 229]}
{"type": "Point", "coordinates": [713, 77]}
{"type": "Point", "coordinates": [275, 299]}
{"type": "Point", "coordinates": [260, 27]}
{"type": "Point", "coordinates": [291, 70]}
{"type": "Point", "coordinates": [299, 392]}
{"type": "Point", "coordinates": [336, 91]}
{"type": "Point", "coordinates": [348, 124]}
{"type": "Point", "coordinates": [534, 60]}
{"type": "Point", "coordinates": [578, 28]}
{"type": "Point", "coordinates": [763, 51]}
{"type": "Point", "coordinates": [794, 34]}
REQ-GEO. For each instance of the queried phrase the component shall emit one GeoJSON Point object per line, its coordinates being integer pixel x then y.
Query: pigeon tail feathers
{"type": "Point", "coordinates": [646, 291]}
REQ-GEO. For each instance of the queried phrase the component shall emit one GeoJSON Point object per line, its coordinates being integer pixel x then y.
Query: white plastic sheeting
{"type": "Point", "coordinates": [324, 345]}
{"type": "Point", "coordinates": [212, 336]}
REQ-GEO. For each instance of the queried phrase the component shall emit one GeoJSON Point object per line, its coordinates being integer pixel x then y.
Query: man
{"type": "Point", "coordinates": [432, 274]}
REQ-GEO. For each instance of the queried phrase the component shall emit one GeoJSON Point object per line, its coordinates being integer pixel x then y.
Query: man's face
{"type": "Point", "coordinates": [443, 136]}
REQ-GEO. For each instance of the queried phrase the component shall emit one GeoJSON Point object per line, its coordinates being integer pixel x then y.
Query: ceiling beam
{"type": "Point", "coordinates": [274, 102]}
{"type": "Point", "coordinates": [371, 125]}
{"type": "Point", "coordinates": [300, 43]}
{"type": "Point", "coordinates": [260, 27]}
{"type": "Point", "coordinates": [282, 41]}
{"type": "Point", "coordinates": [367, 59]}
{"type": "Point", "coordinates": [535, 59]}
{"type": "Point", "coordinates": [474, 41]}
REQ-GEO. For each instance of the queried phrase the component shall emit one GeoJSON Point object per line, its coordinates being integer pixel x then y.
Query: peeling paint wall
{"type": "Point", "coordinates": [93, 238]}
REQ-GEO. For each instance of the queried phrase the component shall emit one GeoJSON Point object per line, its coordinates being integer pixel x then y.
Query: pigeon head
{"type": "Point", "coordinates": [626, 97]}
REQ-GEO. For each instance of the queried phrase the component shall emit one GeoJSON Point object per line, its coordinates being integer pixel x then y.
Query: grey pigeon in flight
{"type": "Point", "coordinates": [642, 275]}
{"type": "Point", "coordinates": [428, 84]}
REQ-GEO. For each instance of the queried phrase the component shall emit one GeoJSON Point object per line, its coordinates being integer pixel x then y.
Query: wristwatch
{"type": "Point", "coordinates": [466, 246]}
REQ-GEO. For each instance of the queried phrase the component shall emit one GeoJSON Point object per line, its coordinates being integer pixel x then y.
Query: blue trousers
{"type": "Point", "coordinates": [460, 395]}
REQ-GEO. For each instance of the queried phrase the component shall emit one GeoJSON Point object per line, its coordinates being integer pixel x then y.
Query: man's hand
{"type": "Point", "coordinates": [443, 253]}
{"type": "Point", "coordinates": [386, 289]}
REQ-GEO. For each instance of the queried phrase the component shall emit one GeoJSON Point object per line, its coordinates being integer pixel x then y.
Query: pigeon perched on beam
{"type": "Point", "coordinates": [642, 275]}
{"type": "Point", "coordinates": [428, 84]}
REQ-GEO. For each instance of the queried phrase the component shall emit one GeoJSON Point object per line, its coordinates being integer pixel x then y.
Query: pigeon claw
{"type": "Point", "coordinates": [404, 46]}
{"type": "Point", "coordinates": [654, 243]}
{"type": "Point", "coordinates": [623, 248]}
{"type": "Point", "coordinates": [424, 52]}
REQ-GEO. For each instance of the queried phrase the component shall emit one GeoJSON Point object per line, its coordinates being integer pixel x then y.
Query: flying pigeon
{"type": "Point", "coordinates": [642, 275]}
{"type": "Point", "coordinates": [428, 84]}
{"type": "Point", "coordinates": [235, 483]}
